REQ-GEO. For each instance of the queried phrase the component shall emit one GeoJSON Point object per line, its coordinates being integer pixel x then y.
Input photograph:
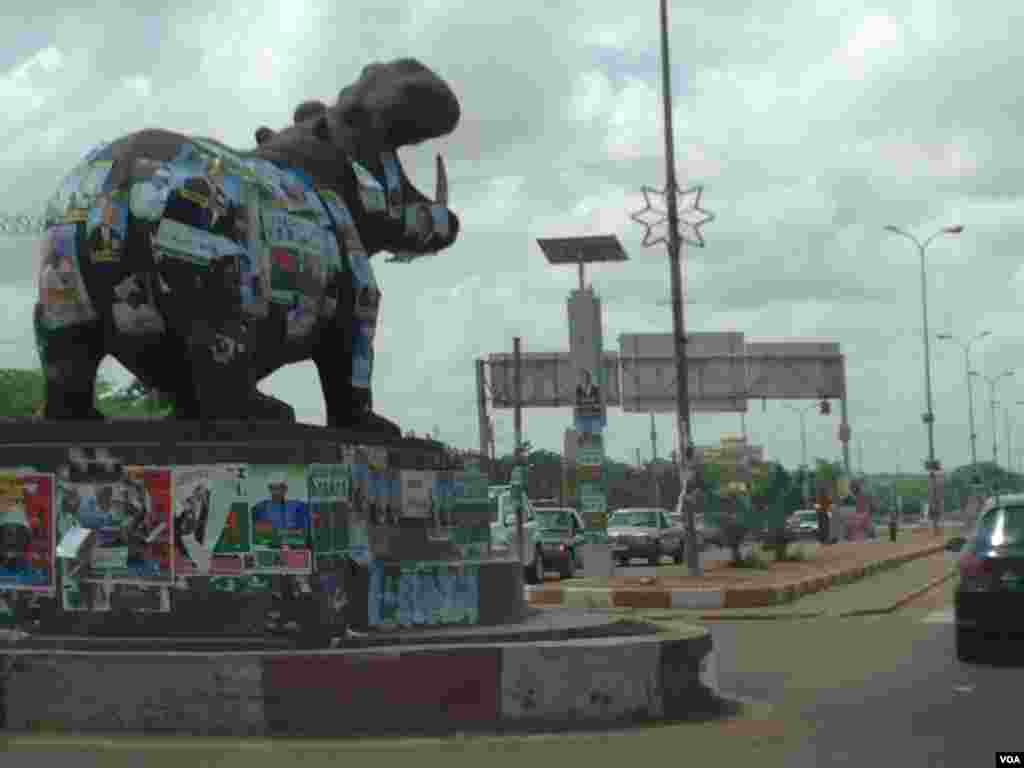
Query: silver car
{"type": "Point", "coordinates": [644, 532]}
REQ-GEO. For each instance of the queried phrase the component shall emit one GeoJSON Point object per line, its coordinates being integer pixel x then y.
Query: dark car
{"type": "Point", "coordinates": [989, 596]}
{"type": "Point", "coordinates": [644, 532]}
{"type": "Point", "coordinates": [560, 530]}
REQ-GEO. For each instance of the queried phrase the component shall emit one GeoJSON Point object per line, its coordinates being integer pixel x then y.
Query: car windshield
{"type": "Point", "coordinates": [635, 517]}
{"type": "Point", "coordinates": [1001, 527]}
{"type": "Point", "coordinates": [554, 518]}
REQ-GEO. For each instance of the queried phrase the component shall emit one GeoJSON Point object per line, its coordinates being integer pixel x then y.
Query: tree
{"type": "Point", "coordinates": [22, 397]}
{"type": "Point", "coordinates": [21, 393]}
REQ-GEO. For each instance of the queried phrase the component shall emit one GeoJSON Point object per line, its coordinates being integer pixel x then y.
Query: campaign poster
{"type": "Point", "coordinates": [358, 542]}
{"type": "Point", "coordinates": [279, 518]}
{"type": "Point", "coordinates": [424, 594]}
{"type": "Point", "coordinates": [27, 533]}
{"type": "Point", "coordinates": [585, 355]}
{"type": "Point", "coordinates": [129, 510]}
{"type": "Point", "coordinates": [417, 493]}
{"type": "Point", "coordinates": [330, 494]}
{"type": "Point", "coordinates": [211, 521]}
{"type": "Point", "coordinates": [63, 298]}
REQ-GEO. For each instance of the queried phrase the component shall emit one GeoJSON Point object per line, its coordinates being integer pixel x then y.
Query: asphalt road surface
{"type": "Point", "coordinates": [867, 691]}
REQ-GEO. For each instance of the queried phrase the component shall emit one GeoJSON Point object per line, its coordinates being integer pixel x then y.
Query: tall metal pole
{"type": "Point", "coordinates": [970, 409]}
{"type": "Point", "coordinates": [519, 459]}
{"type": "Point", "coordinates": [678, 328]}
{"type": "Point", "coordinates": [929, 416]}
{"type": "Point", "coordinates": [481, 403]}
{"type": "Point", "coordinates": [1009, 449]}
{"type": "Point", "coordinates": [992, 406]}
{"type": "Point", "coordinates": [654, 458]}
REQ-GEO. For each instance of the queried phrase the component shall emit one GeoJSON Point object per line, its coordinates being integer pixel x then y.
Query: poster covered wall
{"type": "Point", "coordinates": [27, 532]}
{"type": "Point", "coordinates": [211, 520]}
{"type": "Point", "coordinates": [423, 594]}
{"type": "Point", "coordinates": [128, 509]}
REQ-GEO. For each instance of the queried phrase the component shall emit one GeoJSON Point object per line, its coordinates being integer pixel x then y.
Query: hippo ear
{"type": "Point", "coordinates": [403, 99]}
{"type": "Point", "coordinates": [308, 109]}
{"type": "Point", "coordinates": [263, 134]}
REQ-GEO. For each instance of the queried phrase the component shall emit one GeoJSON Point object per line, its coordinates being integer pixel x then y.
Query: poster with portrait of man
{"type": "Point", "coordinates": [585, 343]}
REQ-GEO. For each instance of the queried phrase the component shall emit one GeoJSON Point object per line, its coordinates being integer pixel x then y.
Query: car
{"type": "Point", "coordinates": [644, 532]}
{"type": "Point", "coordinates": [561, 539]}
{"type": "Point", "coordinates": [503, 530]}
{"type": "Point", "coordinates": [803, 524]}
{"type": "Point", "coordinates": [989, 593]}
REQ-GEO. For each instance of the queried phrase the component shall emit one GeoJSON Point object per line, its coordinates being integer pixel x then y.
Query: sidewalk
{"type": "Point", "coordinates": [724, 587]}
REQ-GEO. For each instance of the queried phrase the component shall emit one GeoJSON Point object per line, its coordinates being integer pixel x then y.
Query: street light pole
{"type": "Point", "coordinates": [929, 416]}
{"type": "Point", "coordinates": [678, 326]}
{"type": "Point", "coordinates": [992, 381]}
{"type": "Point", "coordinates": [966, 346]}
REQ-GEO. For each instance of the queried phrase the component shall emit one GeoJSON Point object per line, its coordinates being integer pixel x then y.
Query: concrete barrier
{"type": "Point", "coordinates": [411, 689]}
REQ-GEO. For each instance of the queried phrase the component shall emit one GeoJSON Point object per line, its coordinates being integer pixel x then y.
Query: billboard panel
{"type": "Point", "coordinates": [717, 372]}
{"type": "Point", "coordinates": [548, 380]}
{"type": "Point", "coordinates": [794, 369]}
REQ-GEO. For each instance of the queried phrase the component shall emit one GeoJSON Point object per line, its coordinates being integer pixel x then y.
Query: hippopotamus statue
{"type": "Point", "coordinates": [203, 269]}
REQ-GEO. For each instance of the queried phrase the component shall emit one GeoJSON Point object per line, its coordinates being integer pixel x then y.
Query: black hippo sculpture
{"type": "Point", "coordinates": [203, 269]}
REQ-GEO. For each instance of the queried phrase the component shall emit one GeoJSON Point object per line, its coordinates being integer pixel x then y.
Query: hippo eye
{"type": "Point", "coordinates": [321, 130]}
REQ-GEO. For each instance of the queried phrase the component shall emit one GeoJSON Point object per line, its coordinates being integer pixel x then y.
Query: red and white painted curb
{"type": "Point", "coordinates": [709, 598]}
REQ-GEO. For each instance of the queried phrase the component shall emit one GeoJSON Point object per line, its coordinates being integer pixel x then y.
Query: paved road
{"type": "Point", "coordinates": [878, 690]}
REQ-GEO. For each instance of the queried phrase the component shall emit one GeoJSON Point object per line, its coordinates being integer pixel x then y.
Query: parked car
{"type": "Point", "coordinates": [644, 532]}
{"type": "Point", "coordinates": [803, 524]}
{"type": "Point", "coordinates": [989, 594]}
{"type": "Point", "coordinates": [561, 539]}
{"type": "Point", "coordinates": [503, 531]}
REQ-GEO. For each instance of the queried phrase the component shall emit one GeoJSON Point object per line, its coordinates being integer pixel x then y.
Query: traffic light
{"type": "Point", "coordinates": [825, 408]}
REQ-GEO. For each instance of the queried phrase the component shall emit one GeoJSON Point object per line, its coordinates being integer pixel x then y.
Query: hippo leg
{"type": "Point", "coordinates": [348, 406]}
{"type": "Point", "coordinates": [70, 358]}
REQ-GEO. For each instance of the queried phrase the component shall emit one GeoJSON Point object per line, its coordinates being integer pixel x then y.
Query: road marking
{"type": "Point", "coordinates": [942, 616]}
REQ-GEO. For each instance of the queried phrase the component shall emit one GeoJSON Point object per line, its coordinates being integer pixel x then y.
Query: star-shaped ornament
{"type": "Point", "coordinates": [654, 216]}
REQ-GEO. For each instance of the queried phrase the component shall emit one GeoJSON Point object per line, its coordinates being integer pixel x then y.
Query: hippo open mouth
{"type": "Point", "coordinates": [393, 105]}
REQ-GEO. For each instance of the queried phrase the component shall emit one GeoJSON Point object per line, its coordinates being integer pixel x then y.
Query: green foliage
{"type": "Point", "coordinates": [754, 560]}
{"type": "Point", "coordinates": [21, 393]}
{"type": "Point", "coordinates": [827, 474]}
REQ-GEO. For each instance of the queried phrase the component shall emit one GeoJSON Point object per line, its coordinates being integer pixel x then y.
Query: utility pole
{"type": "Point", "coordinates": [654, 459]}
{"type": "Point", "coordinates": [678, 326]}
{"type": "Point", "coordinates": [519, 459]}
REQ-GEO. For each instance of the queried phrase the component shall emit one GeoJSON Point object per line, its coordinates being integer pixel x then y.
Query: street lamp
{"type": "Point", "coordinates": [802, 413]}
{"type": "Point", "coordinates": [966, 346]}
{"type": "Point", "coordinates": [929, 416]}
{"type": "Point", "coordinates": [992, 381]}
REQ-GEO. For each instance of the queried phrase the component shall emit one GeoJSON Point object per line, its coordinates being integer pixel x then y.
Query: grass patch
{"type": "Point", "coordinates": [794, 555]}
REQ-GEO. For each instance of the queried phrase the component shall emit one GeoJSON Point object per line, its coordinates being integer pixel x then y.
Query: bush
{"type": "Point", "coordinates": [795, 555]}
{"type": "Point", "coordinates": [755, 559]}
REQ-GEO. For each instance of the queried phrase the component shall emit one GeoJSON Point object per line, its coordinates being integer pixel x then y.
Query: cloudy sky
{"type": "Point", "coordinates": [810, 125]}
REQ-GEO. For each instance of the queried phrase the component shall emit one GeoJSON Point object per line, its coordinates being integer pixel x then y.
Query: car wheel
{"type": "Point", "coordinates": [968, 644]}
{"type": "Point", "coordinates": [680, 553]}
{"type": "Point", "coordinates": [535, 571]}
{"type": "Point", "coordinates": [623, 562]}
{"type": "Point", "coordinates": [568, 570]}
{"type": "Point", "coordinates": [656, 557]}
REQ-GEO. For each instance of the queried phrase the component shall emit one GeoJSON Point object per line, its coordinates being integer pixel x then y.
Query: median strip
{"type": "Point", "coordinates": [712, 596]}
